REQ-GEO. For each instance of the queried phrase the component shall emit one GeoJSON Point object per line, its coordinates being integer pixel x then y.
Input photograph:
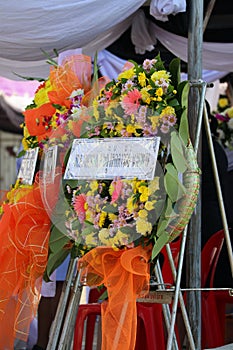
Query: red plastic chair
{"type": "Point", "coordinates": [150, 331]}
{"type": "Point", "coordinates": [212, 323]}
{"type": "Point", "coordinates": [166, 267]}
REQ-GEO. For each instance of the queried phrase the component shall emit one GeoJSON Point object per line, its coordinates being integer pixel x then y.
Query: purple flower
{"type": "Point", "coordinates": [221, 117]}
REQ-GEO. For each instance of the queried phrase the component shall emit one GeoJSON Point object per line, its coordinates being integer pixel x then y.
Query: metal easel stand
{"type": "Point", "coordinates": [62, 329]}
{"type": "Point", "coordinates": [219, 191]}
{"type": "Point", "coordinates": [170, 321]}
{"type": "Point", "coordinates": [170, 317]}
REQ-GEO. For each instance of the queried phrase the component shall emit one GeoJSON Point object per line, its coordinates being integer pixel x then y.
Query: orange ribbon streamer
{"type": "Point", "coordinates": [24, 238]}
{"type": "Point", "coordinates": [125, 274]}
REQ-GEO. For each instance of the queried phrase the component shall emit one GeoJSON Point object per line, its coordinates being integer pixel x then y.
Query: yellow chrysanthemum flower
{"type": "Point", "coordinates": [119, 239]}
{"type": "Point", "coordinates": [94, 185]}
{"type": "Point", "coordinates": [168, 111]}
{"type": "Point", "coordinates": [159, 92]}
{"type": "Point", "coordinates": [130, 129]}
{"type": "Point", "coordinates": [112, 216]}
{"type": "Point", "coordinates": [41, 95]}
{"type": "Point", "coordinates": [90, 239]}
{"type": "Point", "coordinates": [119, 127]}
{"type": "Point", "coordinates": [154, 121]}
{"type": "Point", "coordinates": [143, 227]}
{"type": "Point", "coordinates": [161, 74]}
{"type": "Point", "coordinates": [130, 205]}
{"type": "Point", "coordinates": [142, 214]}
{"type": "Point", "coordinates": [149, 205]}
{"type": "Point", "coordinates": [25, 144]}
{"type": "Point", "coordinates": [127, 74]}
{"type": "Point", "coordinates": [142, 79]}
{"type": "Point", "coordinates": [102, 218]}
{"type": "Point", "coordinates": [144, 197]}
{"type": "Point", "coordinates": [104, 236]}
{"type": "Point", "coordinates": [145, 95]}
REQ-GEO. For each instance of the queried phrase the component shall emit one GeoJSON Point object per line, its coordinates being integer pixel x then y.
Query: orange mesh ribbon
{"type": "Point", "coordinates": [125, 273]}
{"type": "Point", "coordinates": [24, 237]}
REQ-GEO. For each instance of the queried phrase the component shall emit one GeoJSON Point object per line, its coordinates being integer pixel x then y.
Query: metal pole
{"type": "Point", "coordinates": [59, 317]}
{"type": "Point", "coordinates": [193, 251]}
{"type": "Point", "coordinates": [181, 299]}
{"type": "Point", "coordinates": [219, 191]}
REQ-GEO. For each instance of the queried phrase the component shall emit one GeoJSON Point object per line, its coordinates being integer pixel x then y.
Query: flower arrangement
{"type": "Point", "coordinates": [144, 101]}
{"type": "Point", "coordinates": [116, 226]}
{"type": "Point", "coordinates": [225, 127]}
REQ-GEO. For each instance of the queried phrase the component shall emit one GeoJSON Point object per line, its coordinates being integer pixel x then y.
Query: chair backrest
{"type": "Point", "coordinates": [166, 267]}
{"type": "Point", "coordinates": [209, 258]}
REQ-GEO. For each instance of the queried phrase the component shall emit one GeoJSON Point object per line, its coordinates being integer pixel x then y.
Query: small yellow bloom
{"type": "Point", "coordinates": [102, 218]}
{"type": "Point", "coordinates": [130, 129]}
{"type": "Point", "coordinates": [142, 79]}
{"type": "Point", "coordinates": [94, 185]}
{"type": "Point", "coordinates": [159, 92]}
{"type": "Point", "coordinates": [90, 239]}
{"type": "Point", "coordinates": [131, 206]}
{"type": "Point", "coordinates": [112, 216]}
{"type": "Point", "coordinates": [145, 95]}
{"type": "Point", "coordinates": [104, 236]}
{"type": "Point", "coordinates": [168, 111]}
{"type": "Point", "coordinates": [154, 121]}
{"type": "Point", "coordinates": [142, 214]}
{"type": "Point", "coordinates": [119, 239]}
{"type": "Point", "coordinates": [143, 227]}
{"type": "Point", "coordinates": [41, 95]}
{"type": "Point", "coordinates": [127, 74]}
{"type": "Point", "coordinates": [119, 127]}
{"type": "Point", "coordinates": [161, 74]}
{"type": "Point", "coordinates": [223, 102]}
{"type": "Point", "coordinates": [149, 205]}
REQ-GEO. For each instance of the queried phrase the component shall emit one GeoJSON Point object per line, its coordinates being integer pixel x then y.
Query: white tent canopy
{"type": "Point", "coordinates": [27, 28]}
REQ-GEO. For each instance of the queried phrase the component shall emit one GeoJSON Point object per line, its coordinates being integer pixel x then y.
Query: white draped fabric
{"type": "Point", "coordinates": [215, 56]}
{"type": "Point", "coordinates": [29, 27]}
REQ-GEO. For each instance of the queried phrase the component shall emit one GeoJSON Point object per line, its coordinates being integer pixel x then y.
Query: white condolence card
{"type": "Point", "coordinates": [108, 158]}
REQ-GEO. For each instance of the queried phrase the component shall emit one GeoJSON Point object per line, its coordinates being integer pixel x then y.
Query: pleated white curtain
{"type": "Point", "coordinates": [28, 27]}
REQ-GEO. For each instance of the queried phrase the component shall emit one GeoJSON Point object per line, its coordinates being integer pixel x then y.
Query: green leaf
{"type": "Point", "coordinates": [87, 230]}
{"type": "Point", "coordinates": [174, 69]}
{"type": "Point", "coordinates": [159, 244]}
{"type": "Point", "coordinates": [126, 229]}
{"type": "Point", "coordinates": [184, 95]}
{"type": "Point", "coordinates": [95, 69]}
{"type": "Point", "coordinates": [57, 253]}
{"type": "Point", "coordinates": [29, 78]}
{"type": "Point", "coordinates": [177, 152]}
{"type": "Point", "coordinates": [108, 208]}
{"type": "Point", "coordinates": [184, 127]}
{"type": "Point", "coordinates": [174, 188]}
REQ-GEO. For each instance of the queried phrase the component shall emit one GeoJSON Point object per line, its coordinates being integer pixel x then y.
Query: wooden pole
{"type": "Point", "coordinates": [193, 249]}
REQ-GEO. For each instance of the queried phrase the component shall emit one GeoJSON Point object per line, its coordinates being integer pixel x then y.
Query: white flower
{"type": "Point", "coordinates": [230, 124]}
{"type": "Point", "coordinates": [221, 134]}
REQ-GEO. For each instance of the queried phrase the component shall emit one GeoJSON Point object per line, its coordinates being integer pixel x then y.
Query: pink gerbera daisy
{"type": "Point", "coordinates": [79, 206]}
{"type": "Point", "coordinates": [130, 102]}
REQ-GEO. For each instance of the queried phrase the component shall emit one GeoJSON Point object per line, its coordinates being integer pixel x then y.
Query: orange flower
{"type": "Point", "coordinates": [37, 120]}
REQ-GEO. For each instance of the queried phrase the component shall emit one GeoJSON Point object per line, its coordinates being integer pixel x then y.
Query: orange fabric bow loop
{"type": "Point", "coordinates": [125, 273]}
